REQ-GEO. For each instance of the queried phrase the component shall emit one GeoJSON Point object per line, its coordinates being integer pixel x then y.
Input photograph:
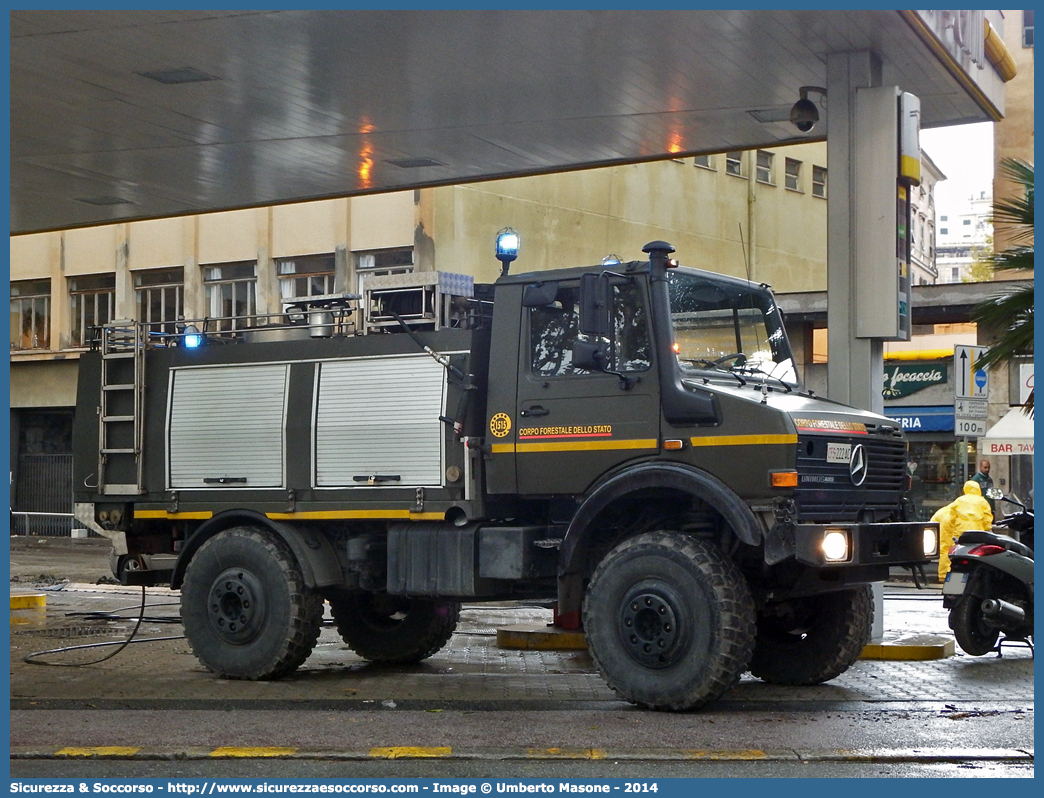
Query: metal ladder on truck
{"type": "Point", "coordinates": [120, 415]}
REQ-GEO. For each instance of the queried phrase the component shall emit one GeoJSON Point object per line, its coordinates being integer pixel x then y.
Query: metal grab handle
{"type": "Point", "coordinates": [535, 410]}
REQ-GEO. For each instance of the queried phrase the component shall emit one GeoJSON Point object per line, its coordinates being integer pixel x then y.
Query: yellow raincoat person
{"type": "Point", "coordinates": [969, 511]}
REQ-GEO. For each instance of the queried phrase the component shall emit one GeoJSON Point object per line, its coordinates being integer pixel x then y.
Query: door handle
{"type": "Point", "coordinates": [535, 410]}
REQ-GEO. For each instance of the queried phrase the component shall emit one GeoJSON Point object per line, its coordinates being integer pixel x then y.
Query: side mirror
{"type": "Point", "coordinates": [588, 355]}
{"type": "Point", "coordinates": [594, 305]}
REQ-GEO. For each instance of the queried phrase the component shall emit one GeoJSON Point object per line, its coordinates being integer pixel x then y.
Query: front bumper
{"type": "Point", "coordinates": [868, 544]}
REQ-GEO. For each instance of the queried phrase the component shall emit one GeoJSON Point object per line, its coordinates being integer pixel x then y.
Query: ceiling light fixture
{"type": "Point", "coordinates": [171, 77]}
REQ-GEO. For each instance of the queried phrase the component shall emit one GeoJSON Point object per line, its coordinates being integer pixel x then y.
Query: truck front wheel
{"type": "Point", "coordinates": [246, 609]}
{"type": "Point", "coordinates": [383, 628]}
{"type": "Point", "coordinates": [812, 639]}
{"type": "Point", "coordinates": [669, 620]}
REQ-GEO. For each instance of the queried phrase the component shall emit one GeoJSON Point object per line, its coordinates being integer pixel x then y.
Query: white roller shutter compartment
{"type": "Point", "coordinates": [227, 423]}
{"type": "Point", "coordinates": [380, 416]}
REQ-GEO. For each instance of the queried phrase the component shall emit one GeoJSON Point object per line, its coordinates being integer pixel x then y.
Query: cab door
{"type": "Point", "coordinates": [575, 424]}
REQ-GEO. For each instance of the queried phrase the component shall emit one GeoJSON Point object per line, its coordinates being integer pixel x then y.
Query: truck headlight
{"type": "Point", "coordinates": [835, 545]}
{"type": "Point", "coordinates": [931, 542]}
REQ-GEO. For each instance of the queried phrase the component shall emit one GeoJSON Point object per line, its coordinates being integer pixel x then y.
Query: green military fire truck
{"type": "Point", "coordinates": [630, 442]}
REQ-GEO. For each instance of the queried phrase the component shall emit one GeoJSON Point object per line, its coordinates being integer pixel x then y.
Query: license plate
{"type": "Point", "coordinates": [954, 584]}
{"type": "Point", "coordinates": [839, 452]}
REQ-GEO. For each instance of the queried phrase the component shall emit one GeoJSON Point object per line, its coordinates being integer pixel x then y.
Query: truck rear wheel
{"type": "Point", "coordinates": [669, 620]}
{"type": "Point", "coordinates": [813, 639]}
{"type": "Point", "coordinates": [383, 628]}
{"type": "Point", "coordinates": [246, 609]}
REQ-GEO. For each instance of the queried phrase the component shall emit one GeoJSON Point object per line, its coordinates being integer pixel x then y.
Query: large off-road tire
{"type": "Point", "coordinates": [395, 629]}
{"type": "Point", "coordinates": [814, 639]}
{"type": "Point", "coordinates": [974, 635]}
{"type": "Point", "coordinates": [246, 609]}
{"type": "Point", "coordinates": [669, 620]}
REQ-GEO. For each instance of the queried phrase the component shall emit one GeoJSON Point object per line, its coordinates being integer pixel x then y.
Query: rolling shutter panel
{"type": "Point", "coordinates": [380, 416]}
{"type": "Point", "coordinates": [227, 423]}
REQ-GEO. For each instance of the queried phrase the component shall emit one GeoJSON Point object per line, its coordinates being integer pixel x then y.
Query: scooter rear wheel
{"type": "Point", "coordinates": [974, 635]}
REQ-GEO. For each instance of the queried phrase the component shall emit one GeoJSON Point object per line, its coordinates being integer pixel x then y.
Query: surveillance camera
{"type": "Point", "coordinates": [804, 115]}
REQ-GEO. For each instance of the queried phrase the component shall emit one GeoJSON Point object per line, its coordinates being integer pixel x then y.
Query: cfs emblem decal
{"type": "Point", "coordinates": [500, 425]}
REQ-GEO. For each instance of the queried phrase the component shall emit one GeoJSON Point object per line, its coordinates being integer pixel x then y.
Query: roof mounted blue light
{"type": "Point", "coordinates": [192, 337]}
{"type": "Point", "coordinates": [507, 247]}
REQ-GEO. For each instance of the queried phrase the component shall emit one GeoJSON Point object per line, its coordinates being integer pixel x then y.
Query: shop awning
{"type": "Point", "coordinates": [1013, 434]}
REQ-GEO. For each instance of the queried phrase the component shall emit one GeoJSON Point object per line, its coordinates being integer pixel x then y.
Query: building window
{"type": "Point", "coordinates": [704, 161]}
{"type": "Point", "coordinates": [230, 292]}
{"type": "Point", "coordinates": [955, 272]}
{"type": "Point", "coordinates": [1027, 28]}
{"type": "Point", "coordinates": [92, 301]}
{"type": "Point", "coordinates": [819, 182]}
{"type": "Point", "coordinates": [31, 314]}
{"type": "Point", "coordinates": [966, 221]}
{"type": "Point", "coordinates": [734, 163]}
{"type": "Point", "coordinates": [383, 261]}
{"type": "Point", "coordinates": [943, 231]}
{"type": "Point", "coordinates": [305, 276]}
{"type": "Point", "coordinates": [158, 293]}
{"type": "Point", "coordinates": [944, 218]}
{"type": "Point", "coordinates": [793, 176]}
{"type": "Point", "coordinates": [764, 167]}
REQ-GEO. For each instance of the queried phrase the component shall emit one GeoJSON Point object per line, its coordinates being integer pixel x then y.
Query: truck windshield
{"type": "Point", "coordinates": [721, 326]}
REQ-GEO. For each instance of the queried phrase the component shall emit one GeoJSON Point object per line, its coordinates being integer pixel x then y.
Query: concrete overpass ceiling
{"type": "Point", "coordinates": [139, 114]}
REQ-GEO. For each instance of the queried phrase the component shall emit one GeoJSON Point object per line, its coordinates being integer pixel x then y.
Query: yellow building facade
{"type": "Point", "coordinates": [757, 213]}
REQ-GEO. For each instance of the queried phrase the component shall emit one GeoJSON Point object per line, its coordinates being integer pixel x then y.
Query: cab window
{"type": "Point", "coordinates": [553, 328]}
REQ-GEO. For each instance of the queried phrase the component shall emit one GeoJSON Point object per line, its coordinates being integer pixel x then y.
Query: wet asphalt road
{"type": "Point", "coordinates": [482, 711]}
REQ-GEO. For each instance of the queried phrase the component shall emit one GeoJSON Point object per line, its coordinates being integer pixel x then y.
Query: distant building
{"type": "Point", "coordinates": [923, 270]}
{"type": "Point", "coordinates": [1013, 135]}
{"type": "Point", "coordinates": [964, 234]}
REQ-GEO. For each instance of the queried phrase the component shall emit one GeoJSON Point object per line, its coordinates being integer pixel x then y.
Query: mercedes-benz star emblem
{"type": "Point", "coordinates": [857, 466]}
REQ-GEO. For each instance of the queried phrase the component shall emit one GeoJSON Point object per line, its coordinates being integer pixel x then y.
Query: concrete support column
{"type": "Point", "coordinates": [126, 304]}
{"type": "Point", "coordinates": [855, 366]}
{"type": "Point", "coordinates": [266, 294]}
{"type": "Point", "coordinates": [61, 332]}
{"type": "Point", "coordinates": [751, 246]}
{"type": "Point", "coordinates": [193, 299]}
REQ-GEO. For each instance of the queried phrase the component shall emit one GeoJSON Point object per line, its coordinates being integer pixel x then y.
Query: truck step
{"type": "Point", "coordinates": [117, 418]}
{"type": "Point", "coordinates": [121, 490]}
{"type": "Point", "coordinates": [117, 355]}
{"type": "Point", "coordinates": [119, 451]}
{"type": "Point", "coordinates": [127, 386]}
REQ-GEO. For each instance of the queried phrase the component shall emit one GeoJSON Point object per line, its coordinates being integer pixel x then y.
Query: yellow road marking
{"type": "Point", "coordinates": [234, 751]}
{"type": "Point", "coordinates": [230, 751]}
{"type": "Point", "coordinates": [28, 601]}
{"type": "Point", "coordinates": [741, 754]}
{"type": "Point", "coordinates": [566, 753]}
{"type": "Point", "coordinates": [410, 752]}
{"type": "Point", "coordinates": [742, 440]}
{"type": "Point", "coordinates": [102, 750]}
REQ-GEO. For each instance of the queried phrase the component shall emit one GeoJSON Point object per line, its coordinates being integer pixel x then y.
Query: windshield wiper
{"type": "Point", "coordinates": [754, 371]}
{"type": "Point", "coordinates": [713, 365]}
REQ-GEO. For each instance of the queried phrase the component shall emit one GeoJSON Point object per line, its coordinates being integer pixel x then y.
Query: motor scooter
{"type": "Point", "coordinates": [989, 589]}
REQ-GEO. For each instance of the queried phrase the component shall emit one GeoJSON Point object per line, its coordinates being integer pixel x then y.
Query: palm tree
{"type": "Point", "coordinates": [1012, 311]}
